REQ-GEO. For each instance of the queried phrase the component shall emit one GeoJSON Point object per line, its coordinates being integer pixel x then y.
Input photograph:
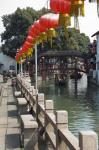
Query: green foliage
{"type": "Point", "coordinates": [16, 28]}
{"type": "Point", "coordinates": [69, 39]}
{"type": "Point", "coordinates": [74, 40]}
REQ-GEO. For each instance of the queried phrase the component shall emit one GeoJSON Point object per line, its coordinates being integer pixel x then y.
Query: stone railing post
{"type": "Point", "coordinates": [49, 108]}
{"type": "Point", "coordinates": [31, 89]}
{"type": "Point", "coordinates": [62, 124]}
{"type": "Point", "coordinates": [88, 140]}
{"type": "Point", "coordinates": [34, 92]}
{"type": "Point", "coordinates": [40, 98]}
{"type": "Point", "coordinates": [40, 101]}
{"type": "Point", "coordinates": [40, 115]}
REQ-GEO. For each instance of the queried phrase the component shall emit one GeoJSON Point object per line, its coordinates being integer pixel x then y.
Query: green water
{"type": "Point", "coordinates": [80, 100]}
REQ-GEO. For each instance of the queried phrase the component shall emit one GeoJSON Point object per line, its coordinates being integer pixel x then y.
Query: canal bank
{"type": "Point", "coordinates": [54, 122]}
{"type": "Point", "coordinates": [80, 100]}
{"type": "Point", "coordinates": [45, 112]}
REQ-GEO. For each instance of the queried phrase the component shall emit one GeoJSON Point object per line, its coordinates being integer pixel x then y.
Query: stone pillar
{"type": "Point", "coordinates": [40, 101]}
{"type": "Point", "coordinates": [62, 119]}
{"type": "Point", "coordinates": [88, 140]}
{"type": "Point", "coordinates": [49, 108]}
{"type": "Point", "coordinates": [62, 123]}
{"type": "Point", "coordinates": [31, 89]}
{"type": "Point", "coordinates": [40, 115]}
{"type": "Point", "coordinates": [34, 92]}
{"type": "Point", "coordinates": [40, 98]}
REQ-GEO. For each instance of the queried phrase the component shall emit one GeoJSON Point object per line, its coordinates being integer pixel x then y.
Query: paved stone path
{"type": "Point", "coordinates": [9, 126]}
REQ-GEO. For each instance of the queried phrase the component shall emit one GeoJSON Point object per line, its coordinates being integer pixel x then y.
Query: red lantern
{"type": "Point", "coordinates": [65, 6]}
{"type": "Point", "coordinates": [42, 28]}
{"type": "Point", "coordinates": [32, 31]}
{"type": "Point", "coordinates": [54, 19]}
{"type": "Point", "coordinates": [49, 20]}
{"type": "Point", "coordinates": [54, 5]}
{"type": "Point", "coordinates": [20, 53]}
{"type": "Point", "coordinates": [29, 39]}
{"type": "Point", "coordinates": [26, 46]}
{"type": "Point", "coordinates": [16, 57]}
{"type": "Point", "coordinates": [37, 28]}
{"type": "Point", "coordinates": [60, 6]}
{"type": "Point", "coordinates": [44, 21]}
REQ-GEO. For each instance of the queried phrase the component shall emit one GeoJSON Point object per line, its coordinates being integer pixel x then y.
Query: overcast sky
{"type": "Point", "coordinates": [88, 24]}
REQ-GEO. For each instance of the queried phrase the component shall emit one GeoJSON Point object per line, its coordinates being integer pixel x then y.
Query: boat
{"type": "Point", "coordinates": [76, 76]}
{"type": "Point", "coordinates": [60, 80]}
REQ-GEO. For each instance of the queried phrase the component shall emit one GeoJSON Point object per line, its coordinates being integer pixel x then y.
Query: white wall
{"type": "Point", "coordinates": [6, 61]}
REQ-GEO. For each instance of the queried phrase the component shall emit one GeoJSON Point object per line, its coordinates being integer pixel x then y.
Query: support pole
{"type": "Point", "coordinates": [21, 67]}
{"type": "Point", "coordinates": [16, 68]}
{"type": "Point", "coordinates": [36, 67]}
{"type": "Point", "coordinates": [76, 23]}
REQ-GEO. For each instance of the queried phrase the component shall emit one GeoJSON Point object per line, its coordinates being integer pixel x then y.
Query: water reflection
{"type": "Point", "coordinates": [80, 100]}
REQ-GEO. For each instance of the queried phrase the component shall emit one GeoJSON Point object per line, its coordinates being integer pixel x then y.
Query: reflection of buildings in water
{"type": "Point", "coordinates": [92, 97]}
{"type": "Point", "coordinates": [78, 87]}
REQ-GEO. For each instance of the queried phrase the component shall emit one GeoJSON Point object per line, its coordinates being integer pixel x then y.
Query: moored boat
{"type": "Point", "coordinates": [76, 76]}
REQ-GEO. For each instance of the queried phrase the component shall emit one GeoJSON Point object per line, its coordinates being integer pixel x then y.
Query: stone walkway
{"type": "Point", "coordinates": [9, 126]}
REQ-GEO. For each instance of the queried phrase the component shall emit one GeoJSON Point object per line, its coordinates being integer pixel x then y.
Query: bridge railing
{"type": "Point", "coordinates": [53, 124]}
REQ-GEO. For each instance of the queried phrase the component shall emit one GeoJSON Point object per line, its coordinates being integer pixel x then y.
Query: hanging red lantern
{"type": "Point", "coordinates": [44, 21]}
{"type": "Point", "coordinates": [65, 6]}
{"type": "Point", "coordinates": [54, 19]}
{"type": "Point", "coordinates": [42, 28]}
{"type": "Point", "coordinates": [54, 5]}
{"type": "Point", "coordinates": [29, 39]}
{"type": "Point", "coordinates": [26, 46]}
{"type": "Point", "coordinates": [32, 31]}
{"type": "Point", "coordinates": [16, 57]}
{"type": "Point", "coordinates": [37, 28]}
{"type": "Point", "coordinates": [60, 6]}
{"type": "Point", "coordinates": [49, 20]}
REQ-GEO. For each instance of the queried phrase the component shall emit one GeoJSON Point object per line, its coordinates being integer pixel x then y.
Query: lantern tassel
{"type": "Point", "coordinates": [50, 34]}
{"type": "Point", "coordinates": [77, 8]}
{"type": "Point", "coordinates": [64, 20]}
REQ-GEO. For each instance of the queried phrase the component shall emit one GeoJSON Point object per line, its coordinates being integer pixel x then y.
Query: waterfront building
{"type": "Point", "coordinates": [96, 72]}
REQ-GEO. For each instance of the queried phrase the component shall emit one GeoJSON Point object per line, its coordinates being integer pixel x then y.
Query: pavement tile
{"type": "Point", "coordinates": [9, 126]}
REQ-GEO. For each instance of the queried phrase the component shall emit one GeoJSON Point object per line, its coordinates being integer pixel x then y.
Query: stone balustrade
{"type": "Point", "coordinates": [53, 124]}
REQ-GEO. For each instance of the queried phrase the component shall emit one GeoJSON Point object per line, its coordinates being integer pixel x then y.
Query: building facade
{"type": "Point", "coordinates": [6, 62]}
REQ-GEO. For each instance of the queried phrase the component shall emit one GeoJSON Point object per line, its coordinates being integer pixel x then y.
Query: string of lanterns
{"type": "Point", "coordinates": [44, 28]}
{"type": "Point", "coordinates": [40, 31]}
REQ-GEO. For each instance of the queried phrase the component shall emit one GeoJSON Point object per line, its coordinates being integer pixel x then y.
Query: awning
{"type": "Point", "coordinates": [95, 34]}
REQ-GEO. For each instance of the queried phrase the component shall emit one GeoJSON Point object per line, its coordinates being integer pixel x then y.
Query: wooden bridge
{"type": "Point", "coordinates": [64, 53]}
{"type": "Point", "coordinates": [58, 61]}
{"type": "Point", "coordinates": [52, 124]}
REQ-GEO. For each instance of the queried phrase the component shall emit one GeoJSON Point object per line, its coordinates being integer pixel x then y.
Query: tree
{"type": "Point", "coordinates": [16, 28]}
{"type": "Point", "coordinates": [69, 39]}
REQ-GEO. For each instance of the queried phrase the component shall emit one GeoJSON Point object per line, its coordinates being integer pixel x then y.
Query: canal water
{"type": "Point", "coordinates": [80, 100]}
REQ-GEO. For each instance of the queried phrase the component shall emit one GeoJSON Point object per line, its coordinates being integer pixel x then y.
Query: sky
{"type": "Point", "coordinates": [89, 24]}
